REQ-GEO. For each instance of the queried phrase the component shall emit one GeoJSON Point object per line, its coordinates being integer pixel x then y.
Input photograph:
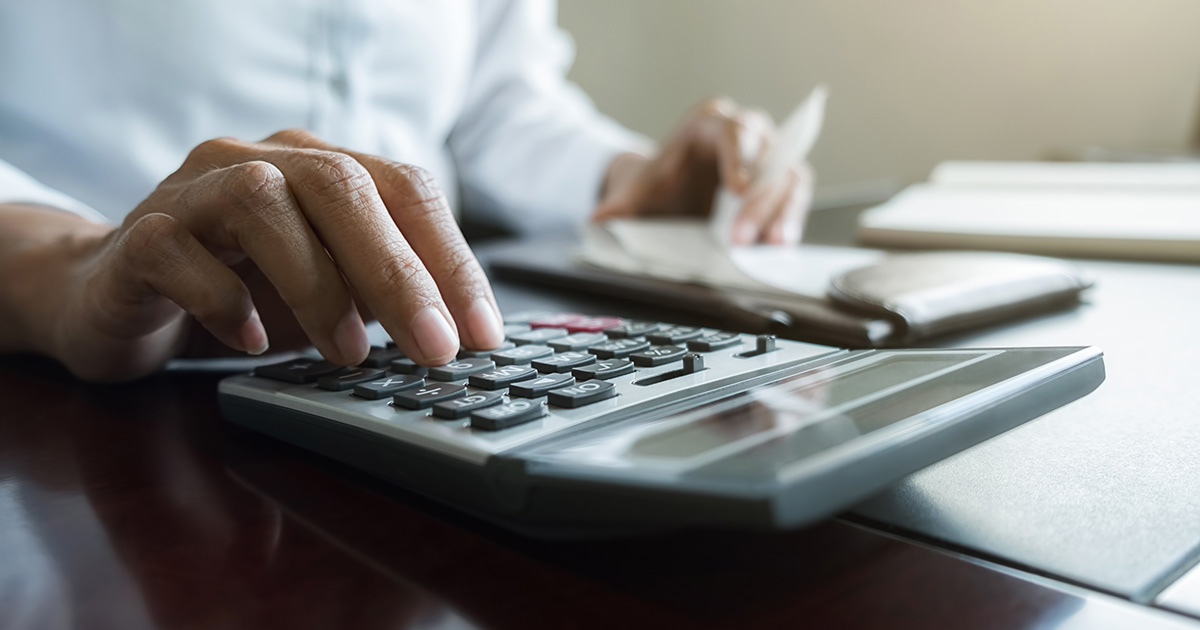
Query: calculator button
{"type": "Point", "coordinates": [297, 370]}
{"type": "Point", "coordinates": [606, 369]}
{"type": "Point", "coordinates": [582, 394]}
{"type": "Point", "coordinates": [714, 341]}
{"type": "Point", "coordinates": [429, 395]}
{"type": "Point", "coordinates": [618, 348]}
{"type": "Point", "coordinates": [632, 329]}
{"type": "Point", "coordinates": [658, 355]}
{"type": "Point", "coordinates": [524, 317]}
{"type": "Point", "coordinates": [672, 335]}
{"type": "Point", "coordinates": [387, 385]}
{"type": "Point", "coordinates": [484, 354]}
{"type": "Point", "coordinates": [512, 329]}
{"type": "Point", "coordinates": [577, 341]}
{"type": "Point", "coordinates": [537, 336]}
{"type": "Point", "coordinates": [539, 386]}
{"type": "Point", "coordinates": [564, 361]}
{"type": "Point", "coordinates": [341, 381]}
{"type": "Point", "coordinates": [462, 407]}
{"type": "Point", "coordinates": [460, 369]}
{"type": "Point", "coordinates": [556, 320]}
{"type": "Point", "coordinates": [408, 366]}
{"type": "Point", "coordinates": [507, 415]}
{"type": "Point", "coordinates": [502, 377]}
{"type": "Point", "coordinates": [380, 357]}
{"type": "Point", "coordinates": [521, 355]}
{"type": "Point", "coordinates": [593, 324]}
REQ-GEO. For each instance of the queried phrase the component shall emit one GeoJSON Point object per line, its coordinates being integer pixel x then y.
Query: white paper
{"type": "Point", "coordinates": [796, 139]}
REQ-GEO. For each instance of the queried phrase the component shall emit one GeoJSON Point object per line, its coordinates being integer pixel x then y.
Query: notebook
{"type": "Point", "coordinates": [1140, 211]}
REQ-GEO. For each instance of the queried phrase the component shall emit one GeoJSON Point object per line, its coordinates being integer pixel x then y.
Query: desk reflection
{"type": "Point", "coordinates": [137, 507]}
{"type": "Point", "coordinates": [127, 521]}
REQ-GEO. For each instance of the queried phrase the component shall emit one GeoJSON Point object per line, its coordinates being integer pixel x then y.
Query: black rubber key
{"type": "Point", "coordinates": [618, 348]}
{"type": "Point", "coordinates": [297, 370]}
{"type": "Point", "coordinates": [577, 341]}
{"type": "Point", "coordinates": [564, 361]}
{"type": "Point", "coordinates": [537, 336]}
{"type": "Point", "coordinates": [429, 395]}
{"type": "Point", "coordinates": [582, 394]}
{"type": "Point", "coordinates": [408, 366]}
{"type": "Point", "coordinates": [672, 335]}
{"type": "Point", "coordinates": [507, 415]}
{"type": "Point", "coordinates": [715, 341]}
{"type": "Point", "coordinates": [633, 329]}
{"type": "Point", "coordinates": [462, 407]}
{"type": "Point", "coordinates": [540, 386]}
{"type": "Point", "coordinates": [460, 369]}
{"type": "Point", "coordinates": [606, 369]}
{"type": "Point", "coordinates": [387, 385]}
{"type": "Point", "coordinates": [380, 357]}
{"type": "Point", "coordinates": [341, 381]}
{"type": "Point", "coordinates": [658, 355]}
{"type": "Point", "coordinates": [484, 354]}
{"type": "Point", "coordinates": [521, 355]}
{"type": "Point", "coordinates": [502, 377]}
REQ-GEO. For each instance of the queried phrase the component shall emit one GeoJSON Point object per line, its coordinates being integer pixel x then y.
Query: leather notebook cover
{"type": "Point", "coordinates": [898, 301]}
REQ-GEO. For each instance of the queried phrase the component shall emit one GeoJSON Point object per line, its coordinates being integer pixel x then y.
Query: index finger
{"type": "Point", "coordinates": [420, 211]}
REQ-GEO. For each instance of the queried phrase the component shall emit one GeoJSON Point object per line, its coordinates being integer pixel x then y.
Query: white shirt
{"type": "Point", "coordinates": [102, 99]}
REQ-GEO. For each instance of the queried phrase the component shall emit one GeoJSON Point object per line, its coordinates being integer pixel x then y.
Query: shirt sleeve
{"type": "Point", "coordinates": [530, 148]}
{"type": "Point", "coordinates": [18, 187]}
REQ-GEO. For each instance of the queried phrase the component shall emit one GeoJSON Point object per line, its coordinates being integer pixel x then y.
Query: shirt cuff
{"type": "Point", "coordinates": [18, 187]}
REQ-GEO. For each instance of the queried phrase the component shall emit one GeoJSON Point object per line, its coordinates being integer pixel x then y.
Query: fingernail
{"type": "Point", "coordinates": [484, 325]}
{"type": "Point", "coordinates": [745, 233]}
{"type": "Point", "coordinates": [254, 335]}
{"type": "Point", "coordinates": [434, 335]}
{"type": "Point", "coordinates": [350, 337]}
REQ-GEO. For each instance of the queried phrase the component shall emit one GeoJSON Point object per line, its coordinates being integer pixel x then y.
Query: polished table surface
{"type": "Point", "coordinates": [136, 506]}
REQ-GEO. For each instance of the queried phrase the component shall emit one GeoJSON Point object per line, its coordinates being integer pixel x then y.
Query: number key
{"type": "Point", "coordinates": [429, 395]}
{"type": "Point", "coordinates": [463, 407]}
{"type": "Point", "coordinates": [460, 369]}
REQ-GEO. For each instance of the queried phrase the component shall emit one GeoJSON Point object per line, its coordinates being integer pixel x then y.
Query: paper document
{"type": "Point", "coordinates": [796, 139]}
{"type": "Point", "coordinates": [683, 250]}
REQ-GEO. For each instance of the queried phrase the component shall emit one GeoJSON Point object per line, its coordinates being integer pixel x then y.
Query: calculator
{"type": "Point", "coordinates": [583, 424]}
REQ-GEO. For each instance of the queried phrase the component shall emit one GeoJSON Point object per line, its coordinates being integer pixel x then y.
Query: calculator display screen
{"type": "Point", "coordinates": [767, 427]}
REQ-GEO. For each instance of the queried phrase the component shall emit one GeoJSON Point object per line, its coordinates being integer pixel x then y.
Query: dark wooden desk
{"type": "Point", "coordinates": [137, 507]}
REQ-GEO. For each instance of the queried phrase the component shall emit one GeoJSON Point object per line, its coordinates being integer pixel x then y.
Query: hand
{"type": "Point", "coordinates": [311, 233]}
{"type": "Point", "coordinates": [717, 143]}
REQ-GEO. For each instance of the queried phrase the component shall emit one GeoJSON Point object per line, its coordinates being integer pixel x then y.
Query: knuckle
{"type": "Point", "coordinates": [209, 151]}
{"type": "Point", "coordinates": [337, 174]}
{"type": "Point", "coordinates": [150, 240]}
{"type": "Point", "coordinates": [292, 137]}
{"type": "Point", "coordinates": [402, 275]}
{"type": "Point", "coordinates": [253, 184]}
{"type": "Point", "coordinates": [463, 271]}
{"type": "Point", "coordinates": [718, 107]}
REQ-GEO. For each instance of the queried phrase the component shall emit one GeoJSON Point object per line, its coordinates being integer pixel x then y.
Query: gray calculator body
{"type": "Point", "coordinates": [768, 441]}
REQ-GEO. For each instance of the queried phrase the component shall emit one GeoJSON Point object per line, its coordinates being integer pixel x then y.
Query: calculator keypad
{"type": "Point", "coordinates": [548, 364]}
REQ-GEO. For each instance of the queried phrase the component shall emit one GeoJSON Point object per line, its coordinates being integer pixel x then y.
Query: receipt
{"type": "Point", "coordinates": [796, 138]}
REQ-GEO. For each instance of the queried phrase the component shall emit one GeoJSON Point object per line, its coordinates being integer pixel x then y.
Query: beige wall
{"type": "Point", "coordinates": [913, 82]}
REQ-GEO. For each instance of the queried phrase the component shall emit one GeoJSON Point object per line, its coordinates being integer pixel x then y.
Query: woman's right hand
{"type": "Point", "coordinates": [330, 233]}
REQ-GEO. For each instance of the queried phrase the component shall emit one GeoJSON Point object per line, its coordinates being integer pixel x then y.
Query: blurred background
{"type": "Point", "coordinates": [912, 83]}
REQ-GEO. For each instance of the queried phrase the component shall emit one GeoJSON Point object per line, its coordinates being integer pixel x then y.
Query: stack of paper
{"type": "Point", "coordinates": [1148, 211]}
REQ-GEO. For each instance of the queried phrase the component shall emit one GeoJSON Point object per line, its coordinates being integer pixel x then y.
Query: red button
{"type": "Point", "coordinates": [593, 324]}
